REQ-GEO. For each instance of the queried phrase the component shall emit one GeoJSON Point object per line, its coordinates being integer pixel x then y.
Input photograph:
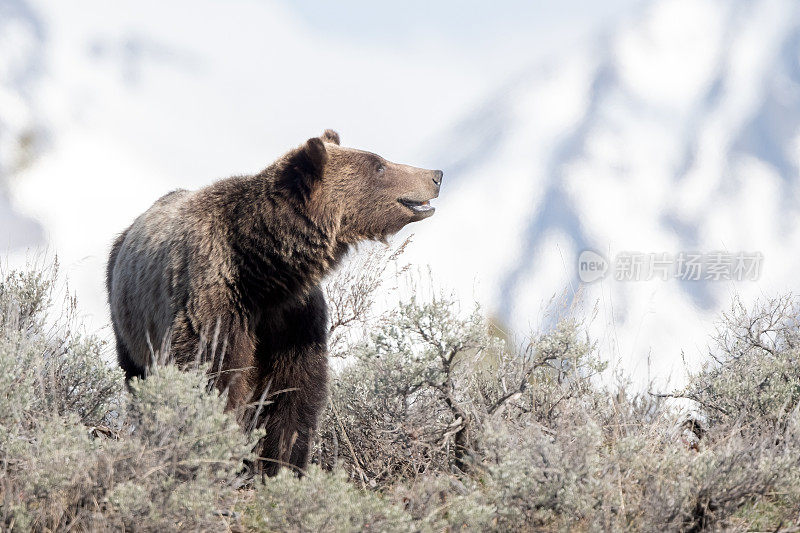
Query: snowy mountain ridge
{"type": "Point", "coordinates": [678, 131]}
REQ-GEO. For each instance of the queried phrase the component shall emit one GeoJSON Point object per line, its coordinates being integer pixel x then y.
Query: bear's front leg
{"type": "Point", "coordinates": [289, 414]}
{"type": "Point", "coordinates": [292, 384]}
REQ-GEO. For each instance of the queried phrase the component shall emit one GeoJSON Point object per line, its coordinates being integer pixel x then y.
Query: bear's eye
{"type": "Point", "coordinates": [380, 168]}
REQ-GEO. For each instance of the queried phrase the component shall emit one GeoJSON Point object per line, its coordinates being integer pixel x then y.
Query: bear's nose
{"type": "Point", "coordinates": [437, 177]}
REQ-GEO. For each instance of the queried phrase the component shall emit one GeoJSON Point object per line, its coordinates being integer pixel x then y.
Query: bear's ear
{"type": "Point", "coordinates": [330, 136]}
{"type": "Point", "coordinates": [305, 165]}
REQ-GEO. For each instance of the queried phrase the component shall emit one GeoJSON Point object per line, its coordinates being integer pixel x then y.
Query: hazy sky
{"type": "Point", "coordinates": [498, 33]}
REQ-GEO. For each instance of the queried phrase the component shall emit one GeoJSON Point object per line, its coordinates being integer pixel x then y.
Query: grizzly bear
{"type": "Point", "coordinates": [230, 275]}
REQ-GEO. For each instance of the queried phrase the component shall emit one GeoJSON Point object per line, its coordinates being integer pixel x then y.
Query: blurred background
{"type": "Point", "coordinates": [650, 126]}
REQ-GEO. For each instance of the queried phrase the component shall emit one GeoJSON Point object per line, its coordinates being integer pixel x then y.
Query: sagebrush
{"type": "Point", "coordinates": [435, 422]}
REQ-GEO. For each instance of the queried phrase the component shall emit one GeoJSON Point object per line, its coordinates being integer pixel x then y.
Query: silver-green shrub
{"type": "Point", "coordinates": [435, 423]}
{"type": "Point", "coordinates": [180, 462]}
{"type": "Point", "coordinates": [752, 375]}
{"type": "Point", "coordinates": [77, 452]}
{"type": "Point", "coordinates": [48, 355]}
{"type": "Point", "coordinates": [323, 501]}
{"type": "Point", "coordinates": [532, 440]}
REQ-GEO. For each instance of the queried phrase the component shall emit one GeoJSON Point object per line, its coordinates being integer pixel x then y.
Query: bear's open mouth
{"type": "Point", "coordinates": [418, 207]}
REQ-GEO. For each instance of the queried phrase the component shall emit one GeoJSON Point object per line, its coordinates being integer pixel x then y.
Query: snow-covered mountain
{"type": "Point", "coordinates": [677, 130]}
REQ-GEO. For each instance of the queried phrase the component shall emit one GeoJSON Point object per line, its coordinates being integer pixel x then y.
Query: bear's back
{"type": "Point", "coordinates": [145, 275]}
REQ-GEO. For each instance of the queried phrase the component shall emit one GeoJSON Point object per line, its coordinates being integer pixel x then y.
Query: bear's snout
{"type": "Point", "coordinates": [421, 186]}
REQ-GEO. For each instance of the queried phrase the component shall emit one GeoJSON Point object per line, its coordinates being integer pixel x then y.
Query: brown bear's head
{"type": "Point", "coordinates": [358, 193]}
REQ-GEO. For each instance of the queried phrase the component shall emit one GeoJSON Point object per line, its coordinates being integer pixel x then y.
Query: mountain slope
{"type": "Point", "coordinates": [676, 131]}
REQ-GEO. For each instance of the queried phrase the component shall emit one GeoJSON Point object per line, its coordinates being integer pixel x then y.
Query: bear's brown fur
{"type": "Point", "coordinates": [230, 274]}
